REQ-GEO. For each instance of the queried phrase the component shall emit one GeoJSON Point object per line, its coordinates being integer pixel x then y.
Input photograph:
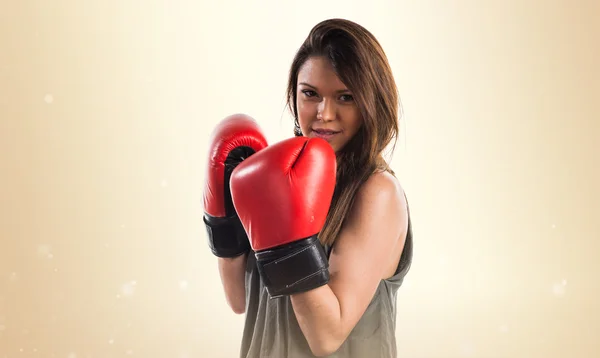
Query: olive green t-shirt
{"type": "Point", "coordinates": [271, 328]}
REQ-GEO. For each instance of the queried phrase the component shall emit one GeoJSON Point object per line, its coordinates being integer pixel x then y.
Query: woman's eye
{"type": "Point", "coordinates": [309, 93]}
{"type": "Point", "coordinates": [347, 98]}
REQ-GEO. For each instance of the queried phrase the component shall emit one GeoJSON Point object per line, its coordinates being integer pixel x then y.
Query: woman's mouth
{"type": "Point", "coordinates": [325, 133]}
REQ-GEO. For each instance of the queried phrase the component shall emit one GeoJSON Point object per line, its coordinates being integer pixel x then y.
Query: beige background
{"type": "Point", "coordinates": [105, 111]}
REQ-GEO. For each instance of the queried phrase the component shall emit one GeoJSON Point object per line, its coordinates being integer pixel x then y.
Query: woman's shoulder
{"type": "Point", "coordinates": [380, 195]}
{"type": "Point", "coordinates": [382, 185]}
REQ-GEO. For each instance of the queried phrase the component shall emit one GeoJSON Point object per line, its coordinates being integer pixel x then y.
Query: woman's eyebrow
{"type": "Point", "coordinates": [307, 84]}
{"type": "Point", "coordinates": [314, 87]}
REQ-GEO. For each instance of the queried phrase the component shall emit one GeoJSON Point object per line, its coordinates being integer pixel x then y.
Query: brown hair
{"type": "Point", "coordinates": [361, 64]}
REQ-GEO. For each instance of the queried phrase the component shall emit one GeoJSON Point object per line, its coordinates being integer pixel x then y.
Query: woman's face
{"type": "Point", "coordinates": [326, 108]}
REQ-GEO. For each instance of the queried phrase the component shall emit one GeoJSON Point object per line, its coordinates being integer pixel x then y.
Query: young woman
{"type": "Point", "coordinates": [341, 89]}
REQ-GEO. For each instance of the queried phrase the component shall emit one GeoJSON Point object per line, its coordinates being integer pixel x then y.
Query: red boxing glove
{"type": "Point", "coordinates": [233, 140]}
{"type": "Point", "coordinates": [282, 195]}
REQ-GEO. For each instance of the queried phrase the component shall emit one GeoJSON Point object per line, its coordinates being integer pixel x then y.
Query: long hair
{"type": "Point", "coordinates": [361, 64]}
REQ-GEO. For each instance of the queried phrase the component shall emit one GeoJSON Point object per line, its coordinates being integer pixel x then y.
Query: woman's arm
{"type": "Point", "coordinates": [232, 271]}
{"type": "Point", "coordinates": [361, 256]}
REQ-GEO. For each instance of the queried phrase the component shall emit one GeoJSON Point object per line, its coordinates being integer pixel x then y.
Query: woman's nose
{"type": "Point", "coordinates": [326, 110]}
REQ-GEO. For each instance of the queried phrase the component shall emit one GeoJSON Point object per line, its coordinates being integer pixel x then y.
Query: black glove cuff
{"type": "Point", "coordinates": [226, 236]}
{"type": "Point", "coordinates": [293, 268]}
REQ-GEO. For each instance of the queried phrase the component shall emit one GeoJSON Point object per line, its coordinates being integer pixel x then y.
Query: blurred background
{"type": "Point", "coordinates": [105, 112]}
